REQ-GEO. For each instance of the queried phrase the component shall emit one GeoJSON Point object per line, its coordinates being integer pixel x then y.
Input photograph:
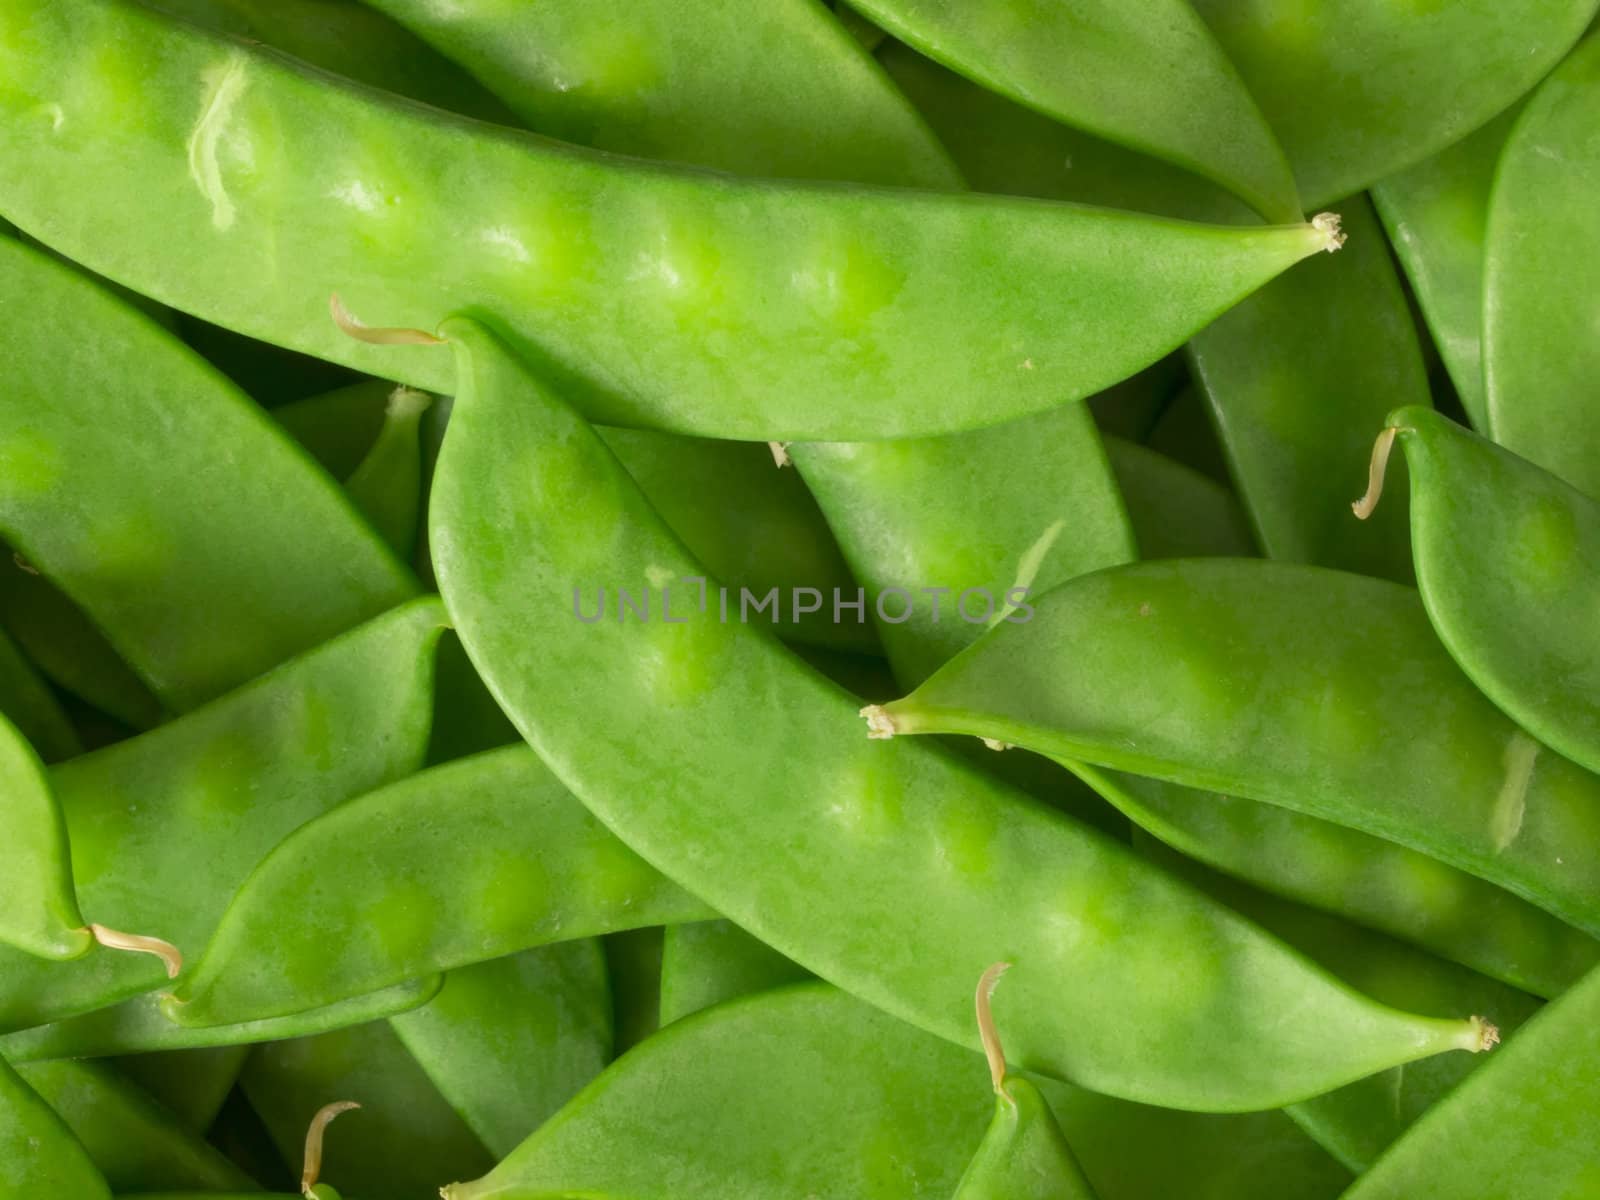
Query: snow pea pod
{"type": "Point", "coordinates": [1295, 378]}
{"type": "Point", "coordinates": [1177, 512]}
{"type": "Point", "coordinates": [28, 703]}
{"type": "Point", "coordinates": [1359, 89]}
{"type": "Point", "coordinates": [705, 963]}
{"type": "Point", "coordinates": [165, 826]}
{"type": "Point", "coordinates": [190, 1084]}
{"type": "Point", "coordinates": [643, 91]}
{"type": "Point", "coordinates": [1539, 355]}
{"type": "Point", "coordinates": [39, 1156]}
{"type": "Point", "coordinates": [1522, 1128]}
{"type": "Point", "coordinates": [754, 309]}
{"type": "Point", "coordinates": [511, 1040]}
{"type": "Point", "coordinates": [38, 907]}
{"type": "Point", "coordinates": [844, 830]}
{"type": "Point", "coordinates": [503, 859]}
{"type": "Point", "coordinates": [86, 495]}
{"type": "Point", "coordinates": [338, 428]}
{"type": "Point", "coordinates": [1212, 699]}
{"type": "Point", "coordinates": [1147, 75]}
{"type": "Point", "coordinates": [1506, 562]}
{"type": "Point", "coordinates": [387, 484]}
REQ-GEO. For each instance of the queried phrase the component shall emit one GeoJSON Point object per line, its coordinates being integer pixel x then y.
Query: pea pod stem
{"type": "Point", "coordinates": [139, 943]}
{"type": "Point", "coordinates": [1376, 470]}
{"type": "Point", "coordinates": [353, 326]}
{"type": "Point", "coordinates": [314, 1134]}
{"type": "Point", "coordinates": [987, 1033]}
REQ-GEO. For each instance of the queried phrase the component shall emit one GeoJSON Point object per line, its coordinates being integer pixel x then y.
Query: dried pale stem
{"type": "Point", "coordinates": [1330, 225]}
{"type": "Point", "coordinates": [879, 723]}
{"type": "Point", "coordinates": [353, 326]}
{"type": "Point", "coordinates": [987, 1033]}
{"type": "Point", "coordinates": [319, 1124]}
{"type": "Point", "coordinates": [140, 943]}
{"type": "Point", "coordinates": [1376, 470]}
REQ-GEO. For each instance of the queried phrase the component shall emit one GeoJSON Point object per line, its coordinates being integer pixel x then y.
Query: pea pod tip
{"type": "Point", "coordinates": [880, 724]}
{"type": "Point", "coordinates": [1331, 226]}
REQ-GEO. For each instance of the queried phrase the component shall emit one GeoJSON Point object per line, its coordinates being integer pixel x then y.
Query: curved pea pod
{"type": "Point", "coordinates": [1508, 563]}
{"type": "Point", "coordinates": [509, 1041]}
{"type": "Point", "coordinates": [705, 963]}
{"type": "Point", "coordinates": [38, 907]}
{"type": "Point", "coordinates": [1437, 216]}
{"type": "Point", "coordinates": [28, 703]}
{"type": "Point", "coordinates": [1539, 355]}
{"type": "Point", "coordinates": [710, 1106]}
{"type": "Point", "coordinates": [1295, 378]}
{"type": "Point", "coordinates": [1522, 1128]}
{"type": "Point", "coordinates": [197, 597]}
{"type": "Point", "coordinates": [1283, 684]}
{"type": "Point", "coordinates": [39, 1156]}
{"type": "Point", "coordinates": [755, 309]}
{"type": "Point", "coordinates": [711, 83]}
{"type": "Point", "coordinates": [1365, 879]}
{"type": "Point", "coordinates": [164, 827]}
{"type": "Point", "coordinates": [1177, 512]}
{"type": "Point", "coordinates": [387, 486]}
{"type": "Point", "coordinates": [1023, 1156]}
{"type": "Point", "coordinates": [688, 771]}
{"type": "Point", "coordinates": [136, 1144]}
{"type": "Point", "coordinates": [1333, 77]}
{"type": "Point", "coordinates": [503, 859]}
{"type": "Point", "coordinates": [1148, 75]}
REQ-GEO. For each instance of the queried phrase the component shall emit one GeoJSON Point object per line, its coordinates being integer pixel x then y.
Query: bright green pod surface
{"type": "Point", "coordinates": [1365, 879]}
{"type": "Point", "coordinates": [136, 1144]}
{"type": "Point", "coordinates": [28, 703]}
{"type": "Point", "coordinates": [1541, 277]}
{"type": "Point", "coordinates": [1177, 512]}
{"type": "Point", "coordinates": [1437, 217]}
{"type": "Point", "coordinates": [753, 309]}
{"type": "Point", "coordinates": [1147, 74]}
{"type": "Point", "coordinates": [693, 769]}
{"type": "Point", "coordinates": [387, 485]}
{"type": "Point", "coordinates": [1522, 1128]}
{"type": "Point", "coordinates": [1023, 1155]}
{"type": "Point", "coordinates": [1508, 563]}
{"type": "Point", "coordinates": [712, 1107]}
{"type": "Point", "coordinates": [704, 963]}
{"type": "Point", "coordinates": [256, 558]}
{"type": "Point", "coordinates": [1358, 89]}
{"type": "Point", "coordinates": [509, 1041]}
{"type": "Point", "coordinates": [38, 907]}
{"type": "Point", "coordinates": [636, 82]}
{"type": "Point", "coordinates": [1289, 685]}
{"type": "Point", "coordinates": [1296, 378]}
{"type": "Point", "coordinates": [38, 1154]}
{"type": "Point", "coordinates": [165, 826]}
{"type": "Point", "coordinates": [502, 859]}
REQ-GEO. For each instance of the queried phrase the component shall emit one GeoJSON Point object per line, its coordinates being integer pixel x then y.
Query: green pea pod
{"type": "Point", "coordinates": [39, 1156]}
{"type": "Point", "coordinates": [643, 92]}
{"type": "Point", "coordinates": [273, 550]}
{"type": "Point", "coordinates": [1539, 356]}
{"type": "Point", "coordinates": [1365, 879]}
{"type": "Point", "coordinates": [1149, 76]}
{"type": "Point", "coordinates": [1437, 217]}
{"type": "Point", "coordinates": [1359, 89]}
{"type": "Point", "coordinates": [165, 826]}
{"type": "Point", "coordinates": [1506, 556]}
{"type": "Point", "coordinates": [190, 1084]}
{"type": "Point", "coordinates": [338, 428]}
{"type": "Point", "coordinates": [503, 859]}
{"type": "Point", "coordinates": [755, 309]}
{"type": "Point", "coordinates": [710, 1106]}
{"type": "Point", "coordinates": [843, 830]}
{"type": "Point", "coordinates": [28, 703]}
{"type": "Point", "coordinates": [387, 486]}
{"type": "Point", "coordinates": [1177, 512]}
{"type": "Point", "coordinates": [38, 907]}
{"type": "Point", "coordinates": [404, 1141]}
{"type": "Point", "coordinates": [137, 1145]}
{"type": "Point", "coordinates": [1521, 1128]}
{"type": "Point", "coordinates": [708, 962]}
{"type": "Point", "coordinates": [509, 1041]}
{"type": "Point", "coordinates": [1284, 684]}
{"type": "Point", "coordinates": [1295, 378]}
{"type": "Point", "coordinates": [137, 1026]}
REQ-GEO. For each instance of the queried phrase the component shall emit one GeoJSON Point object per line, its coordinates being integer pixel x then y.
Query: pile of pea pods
{"type": "Point", "coordinates": [492, 492]}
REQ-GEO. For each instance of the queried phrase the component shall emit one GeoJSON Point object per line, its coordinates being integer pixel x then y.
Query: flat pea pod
{"type": "Point", "coordinates": [39, 1156]}
{"type": "Point", "coordinates": [643, 94]}
{"type": "Point", "coordinates": [502, 859]}
{"type": "Point", "coordinates": [338, 427]}
{"type": "Point", "coordinates": [387, 484]}
{"type": "Point", "coordinates": [29, 704]}
{"type": "Point", "coordinates": [1436, 214]}
{"type": "Point", "coordinates": [1295, 378]}
{"type": "Point", "coordinates": [1147, 75]}
{"type": "Point", "coordinates": [137, 1145]}
{"type": "Point", "coordinates": [755, 309]}
{"type": "Point", "coordinates": [843, 828]}
{"type": "Point", "coordinates": [1508, 563]}
{"type": "Point", "coordinates": [86, 496]}
{"type": "Point", "coordinates": [1335, 76]}
{"type": "Point", "coordinates": [1541, 259]}
{"type": "Point", "coordinates": [1521, 1128]}
{"type": "Point", "coordinates": [165, 826]}
{"type": "Point", "coordinates": [1177, 512]}
{"type": "Point", "coordinates": [509, 1041]}
{"type": "Point", "coordinates": [38, 907]}
{"type": "Point", "coordinates": [1364, 879]}
{"type": "Point", "coordinates": [705, 963]}
{"type": "Point", "coordinates": [1211, 700]}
